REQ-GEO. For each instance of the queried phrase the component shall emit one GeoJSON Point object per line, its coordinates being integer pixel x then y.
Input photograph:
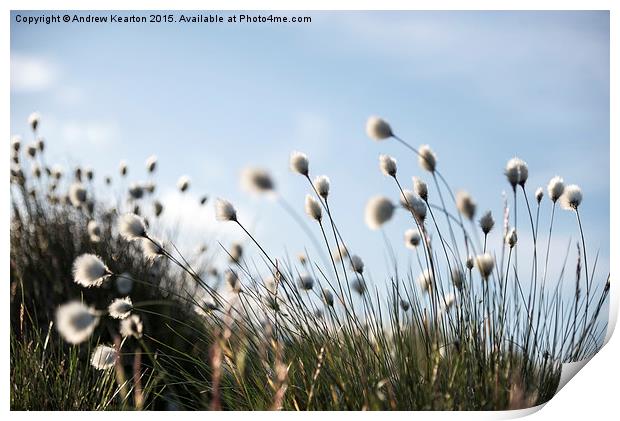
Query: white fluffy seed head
{"type": "Point", "coordinates": [16, 143]}
{"type": "Point", "coordinates": [104, 357]}
{"type": "Point", "coordinates": [469, 262]}
{"type": "Point", "coordinates": [256, 180]}
{"type": "Point", "coordinates": [458, 277]}
{"type": "Point", "coordinates": [387, 164]}
{"type": "Point", "coordinates": [379, 210]}
{"type": "Point", "coordinates": [511, 238]}
{"type": "Point", "coordinates": [299, 163]}
{"type": "Point", "coordinates": [425, 280]}
{"type": "Point", "coordinates": [357, 264]}
{"type": "Point", "coordinates": [412, 238]}
{"type": "Point", "coordinates": [340, 252]}
{"type": "Point", "coordinates": [183, 183]}
{"type": "Point", "coordinates": [77, 194]}
{"type": "Point", "coordinates": [305, 282]}
{"type": "Point", "coordinates": [236, 251]}
{"type": "Point", "coordinates": [152, 248]}
{"type": "Point", "coordinates": [132, 326]}
{"type": "Point", "coordinates": [33, 120]}
{"type": "Point", "coordinates": [123, 168]}
{"type": "Point", "coordinates": [465, 204]}
{"type": "Point", "coordinates": [516, 172]}
{"type": "Point", "coordinates": [487, 222]}
{"type": "Point", "coordinates": [539, 194]}
{"type": "Point", "coordinates": [90, 271]}
{"type": "Point", "coordinates": [120, 308]}
{"type": "Point", "coordinates": [131, 227]}
{"type": "Point", "coordinates": [75, 321]}
{"type": "Point", "coordinates": [413, 203]}
{"type": "Point", "coordinates": [420, 188]}
{"type": "Point", "coordinates": [313, 208]}
{"type": "Point", "coordinates": [151, 163]}
{"type": "Point", "coordinates": [427, 158]}
{"type": "Point", "coordinates": [233, 281]}
{"type": "Point", "coordinates": [378, 129]}
{"type": "Point", "coordinates": [94, 231]}
{"type": "Point", "coordinates": [571, 197]}
{"type": "Point", "coordinates": [485, 264]}
{"type": "Point", "coordinates": [321, 184]}
{"type": "Point", "coordinates": [225, 211]}
{"type": "Point", "coordinates": [555, 188]}
{"type": "Point", "coordinates": [124, 283]}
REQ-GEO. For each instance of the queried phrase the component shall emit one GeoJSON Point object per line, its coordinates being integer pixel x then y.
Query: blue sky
{"type": "Point", "coordinates": [208, 100]}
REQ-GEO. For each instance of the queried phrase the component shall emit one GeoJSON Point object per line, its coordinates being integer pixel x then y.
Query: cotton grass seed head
{"type": "Point", "coordinates": [339, 253]}
{"type": "Point", "coordinates": [414, 204]}
{"type": "Point", "coordinates": [357, 264]}
{"type": "Point", "coordinates": [539, 194]}
{"type": "Point", "coordinates": [427, 158]}
{"type": "Point", "coordinates": [359, 286]}
{"type": "Point", "coordinates": [152, 248]}
{"type": "Point", "coordinates": [420, 188]}
{"type": "Point", "coordinates": [469, 263]}
{"type": "Point", "coordinates": [485, 264]}
{"type": "Point", "coordinates": [387, 164]}
{"type": "Point", "coordinates": [158, 208]}
{"type": "Point", "coordinates": [90, 271]}
{"type": "Point", "coordinates": [124, 283]}
{"type": "Point", "coordinates": [555, 188]}
{"type": "Point", "coordinates": [31, 150]}
{"type": "Point", "coordinates": [379, 210]}
{"type": "Point", "coordinates": [486, 222]}
{"type": "Point", "coordinates": [571, 197]}
{"type": "Point", "coordinates": [458, 277]}
{"type": "Point", "coordinates": [412, 238]}
{"type": "Point", "coordinates": [16, 143]}
{"type": "Point", "coordinates": [233, 281]}
{"type": "Point", "coordinates": [131, 227]}
{"type": "Point", "coordinates": [511, 238]}
{"type": "Point", "coordinates": [183, 183]}
{"type": "Point", "coordinates": [516, 172]}
{"type": "Point", "coordinates": [313, 208]}
{"type": "Point", "coordinates": [94, 231]}
{"type": "Point", "coordinates": [33, 120]}
{"type": "Point", "coordinates": [378, 129]}
{"type": "Point", "coordinates": [256, 180]}
{"type": "Point", "coordinates": [305, 282]}
{"type": "Point", "coordinates": [123, 168]}
{"type": "Point", "coordinates": [135, 191]}
{"type": "Point", "coordinates": [321, 184]}
{"type": "Point", "coordinates": [465, 204]}
{"type": "Point", "coordinates": [404, 304]}
{"type": "Point", "coordinates": [151, 164]}
{"type": "Point", "coordinates": [77, 194]}
{"type": "Point", "coordinates": [104, 357]}
{"type": "Point", "coordinates": [299, 163]}
{"type": "Point", "coordinates": [225, 211]}
{"type": "Point", "coordinates": [236, 251]}
{"type": "Point", "coordinates": [120, 308]}
{"type": "Point", "coordinates": [425, 280]}
{"type": "Point", "coordinates": [132, 326]}
{"type": "Point", "coordinates": [75, 321]}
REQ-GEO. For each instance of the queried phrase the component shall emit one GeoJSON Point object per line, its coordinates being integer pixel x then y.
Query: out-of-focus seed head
{"type": "Point", "coordinates": [77, 194]}
{"type": "Point", "coordinates": [359, 286]}
{"type": "Point", "coordinates": [378, 129]}
{"type": "Point", "coordinates": [104, 357]}
{"type": "Point", "coordinates": [511, 238]}
{"type": "Point", "coordinates": [123, 168]}
{"type": "Point", "coordinates": [412, 238]}
{"type": "Point", "coordinates": [33, 121]}
{"type": "Point", "coordinates": [404, 304]}
{"type": "Point", "coordinates": [257, 180]}
{"type": "Point", "coordinates": [328, 297]}
{"type": "Point", "coordinates": [412, 203]}
{"type": "Point", "coordinates": [131, 227]}
{"type": "Point", "coordinates": [469, 262]}
{"type": "Point", "coordinates": [299, 163]}
{"type": "Point", "coordinates": [132, 326]}
{"type": "Point", "coordinates": [236, 251]}
{"type": "Point", "coordinates": [379, 210]}
{"type": "Point", "coordinates": [458, 277]}
{"type": "Point", "coordinates": [465, 204]}
{"type": "Point", "coordinates": [486, 222]}
{"type": "Point", "coordinates": [426, 280]}
{"type": "Point", "coordinates": [183, 183]}
{"type": "Point", "coordinates": [485, 264]}
{"type": "Point", "coordinates": [75, 321]}
{"type": "Point", "coordinates": [357, 264]}
{"type": "Point", "coordinates": [305, 282]}
{"type": "Point", "coordinates": [539, 194]}
{"type": "Point", "coordinates": [151, 164]}
{"type": "Point", "coordinates": [94, 231]}
{"type": "Point", "coordinates": [16, 143]}
{"type": "Point", "coordinates": [427, 158]}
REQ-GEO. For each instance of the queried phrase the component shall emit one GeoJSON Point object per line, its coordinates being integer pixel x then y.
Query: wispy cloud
{"type": "Point", "coordinates": [31, 73]}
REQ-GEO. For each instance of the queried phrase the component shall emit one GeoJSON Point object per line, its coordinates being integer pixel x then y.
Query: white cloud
{"type": "Point", "coordinates": [30, 73]}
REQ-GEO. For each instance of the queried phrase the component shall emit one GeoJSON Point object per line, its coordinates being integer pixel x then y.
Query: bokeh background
{"type": "Point", "coordinates": [210, 99]}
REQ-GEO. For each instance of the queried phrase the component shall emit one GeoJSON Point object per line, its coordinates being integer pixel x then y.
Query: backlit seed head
{"type": "Point", "coordinates": [357, 264]}
{"type": "Point", "coordinates": [136, 191]}
{"type": "Point", "coordinates": [328, 297]}
{"type": "Point", "coordinates": [427, 158]}
{"type": "Point", "coordinates": [339, 253]}
{"type": "Point", "coordinates": [378, 129]}
{"type": "Point", "coordinates": [40, 144]}
{"type": "Point", "coordinates": [387, 164]}
{"type": "Point", "coordinates": [131, 227]}
{"type": "Point", "coordinates": [123, 168]}
{"type": "Point", "coordinates": [305, 282]}
{"type": "Point", "coordinates": [486, 222]}
{"type": "Point", "coordinates": [33, 121]}
{"type": "Point", "coordinates": [225, 211]}
{"type": "Point", "coordinates": [426, 280]}
{"type": "Point", "coordinates": [313, 208]}
{"type": "Point", "coordinates": [299, 163]}
{"type": "Point", "coordinates": [485, 264]}
{"type": "Point", "coordinates": [151, 163]}
{"type": "Point", "coordinates": [555, 188]}
{"type": "Point", "coordinates": [77, 194]}
{"type": "Point", "coordinates": [94, 231]}
{"type": "Point", "coordinates": [183, 183]}
{"type": "Point", "coordinates": [31, 150]}
{"type": "Point", "coordinates": [572, 197]}
{"type": "Point", "coordinates": [75, 321]}
{"type": "Point", "coordinates": [104, 357]}
{"type": "Point", "coordinates": [321, 184]}
{"type": "Point", "coordinates": [516, 172]}
{"type": "Point", "coordinates": [511, 238]}
{"type": "Point", "coordinates": [90, 271]}
{"type": "Point", "coordinates": [404, 304]}
{"type": "Point", "coordinates": [152, 248]}
{"type": "Point", "coordinates": [379, 210]}
{"type": "Point", "coordinates": [465, 204]}
{"type": "Point", "coordinates": [132, 326]}
{"type": "Point", "coordinates": [257, 180]}
{"type": "Point", "coordinates": [539, 194]}
{"type": "Point", "coordinates": [420, 188]}
{"type": "Point", "coordinates": [16, 143]}
{"type": "Point", "coordinates": [414, 204]}
{"type": "Point", "coordinates": [120, 308]}
{"type": "Point", "coordinates": [233, 281]}
{"type": "Point", "coordinates": [236, 251]}
{"type": "Point", "coordinates": [412, 238]}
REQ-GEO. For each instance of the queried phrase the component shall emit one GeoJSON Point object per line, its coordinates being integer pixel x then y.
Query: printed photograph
{"type": "Point", "coordinates": [306, 210]}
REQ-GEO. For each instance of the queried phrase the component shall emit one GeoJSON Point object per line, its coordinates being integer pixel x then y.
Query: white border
{"type": "Point", "coordinates": [593, 394]}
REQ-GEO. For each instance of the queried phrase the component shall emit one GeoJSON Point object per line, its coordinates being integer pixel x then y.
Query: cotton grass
{"type": "Point", "coordinates": [104, 357]}
{"type": "Point", "coordinates": [427, 158]}
{"type": "Point", "coordinates": [299, 163]}
{"type": "Point", "coordinates": [313, 208]}
{"type": "Point", "coordinates": [90, 271]}
{"type": "Point", "coordinates": [257, 180]}
{"type": "Point", "coordinates": [571, 197]}
{"type": "Point", "coordinates": [76, 322]}
{"type": "Point", "coordinates": [378, 129]}
{"type": "Point", "coordinates": [555, 188]}
{"type": "Point", "coordinates": [120, 308]}
{"type": "Point", "coordinates": [387, 164]}
{"type": "Point", "coordinates": [225, 211]}
{"type": "Point", "coordinates": [321, 184]}
{"type": "Point", "coordinates": [379, 210]}
{"type": "Point", "coordinates": [131, 326]}
{"type": "Point", "coordinates": [131, 227]}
